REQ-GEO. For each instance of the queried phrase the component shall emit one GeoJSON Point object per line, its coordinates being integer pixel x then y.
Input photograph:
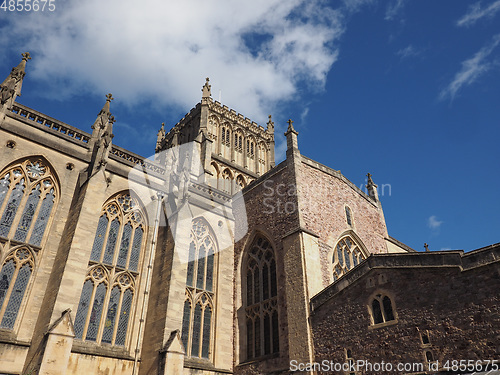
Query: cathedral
{"type": "Point", "coordinates": [211, 259]}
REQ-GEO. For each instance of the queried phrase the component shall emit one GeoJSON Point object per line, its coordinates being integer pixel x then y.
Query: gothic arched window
{"type": "Point", "coordinates": [14, 278]}
{"type": "Point", "coordinates": [381, 309]}
{"type": "Point", "coordinates": [261, 307]}
{"type": "Point", "coordinates": [348, 216]}
{"type": "Point", "coordinates": [109, 288]}
{"type": "Point", "coordinates": [199, 305]}
{"type": "Point", "coordinates": [346, 255]}
{"type": "Point", "coordinates": [27, 195]}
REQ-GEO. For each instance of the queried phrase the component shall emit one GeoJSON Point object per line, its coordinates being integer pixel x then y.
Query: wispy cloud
{"type": "Point", "coordinates": [161, 51]}
{"type": "Point", "coordinates": [434, 223]}
{"type": "Point", "coordinates": [393, 9]}
{"type": "Point", "coordinates": [475, 13]}
{"type": "Point", "coordinates": [407, 52]}
{"type": "Point", "coordinates": [471, 70]}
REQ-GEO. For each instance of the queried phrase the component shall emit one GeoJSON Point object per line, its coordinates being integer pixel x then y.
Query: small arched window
{"type": "Point", "coordinates": [348, 216]}
{"type": "Point", "coordinates": [262, 326]}
{"type": "Point", "coordinates": [346, 255]}
{"type": "Point", "coordinates": [223, 135]}
{"type": "Point", "coordinates": [109, 288]}
{"type": "Point", "coordinates": [381, 309]}
{"type": "Point", "coordinates": [200, 296]}
{"type": "Point", "coordinates": [14, 278]}
{"type": "Point", "coordinates": [27, 196]}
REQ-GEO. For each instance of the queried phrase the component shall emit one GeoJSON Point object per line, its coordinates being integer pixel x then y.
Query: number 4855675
{"type": "Point", "coordinates": [28, 5]}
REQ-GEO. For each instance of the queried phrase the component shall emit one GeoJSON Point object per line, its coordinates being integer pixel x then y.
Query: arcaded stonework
{"type": "Point", "coordinates": [211, 259]}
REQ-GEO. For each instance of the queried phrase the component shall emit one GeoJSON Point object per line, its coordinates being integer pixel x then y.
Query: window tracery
{"type": "Point", "coordinates": [27, 196]}
{"type": "Point", "coordinates": [199, 304]}
{"type": "Point", "coordinates": [261, 307]}
{"type": "Point", "coordinates": [346, 255]}
{"type": "Point", "coordinates": [381, 309]}
{"type": "Point", "coordinates": [108, 291]}
{"type": "Point", "coordinates": [15, 275]}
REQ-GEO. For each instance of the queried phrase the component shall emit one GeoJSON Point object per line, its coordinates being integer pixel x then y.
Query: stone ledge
{"type": "Point", "coordinates": [92, 349]}
{"type": "Point", "coordinates": [203, 364]}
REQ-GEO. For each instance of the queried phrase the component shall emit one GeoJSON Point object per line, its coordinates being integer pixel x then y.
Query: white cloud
{"type": "Point", "coordinates": [409, 51]}
{"type": "Point", "coordinates": [256, 53]}
{"type": "Point", "coordinates": [471, 70]}
{"type": "Point", "coordinates": [475, 13]}
{"type": "Point", "coordinates": [434, 223]}
{"type": "Point", "coordinates": [393, 9]}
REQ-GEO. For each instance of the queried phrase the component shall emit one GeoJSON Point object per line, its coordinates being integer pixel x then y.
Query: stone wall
{"type": "Point", "coordinates": [436, 294]}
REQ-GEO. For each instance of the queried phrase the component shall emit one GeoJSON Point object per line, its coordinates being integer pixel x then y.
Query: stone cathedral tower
{"type": "Point", "coordinates": [235, 149]}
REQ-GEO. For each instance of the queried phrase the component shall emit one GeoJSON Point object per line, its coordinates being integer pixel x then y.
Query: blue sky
{"type": "Point", "coordinates": [407, 90]}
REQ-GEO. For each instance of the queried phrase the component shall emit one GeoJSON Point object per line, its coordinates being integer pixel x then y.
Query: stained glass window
{"type": "Point", "coordinates": [186, 323]}
{"type": "Point", "coordinates": [347, 254]}
{"type": "Point", "coordinates": [25, 190]}
{"type": "Point", "coordinates": [136, 249]}
{"type": "Point", "coordinates": [200, 280]}
{"type": "Point", "coordinates": [124, 246]}
{"type": "Point", "coordinates": [124, 317]}
{"type": "Point", "coordinates": [11, 207]}
{"type": "Point", "coordinates": [27, 216]}
{"type": "Point", "coordinates": [107, 297]}
{"type": "Point", "coordinates": [261, 300]}
{"type": "Point", "coordinates": [102, 227]}
{"type": "Point", "coordinates": [14, 279]}
{"type": "Point", "coordinates": [83, 307]}
{"type": "Point", "coordinates": [43, 218]}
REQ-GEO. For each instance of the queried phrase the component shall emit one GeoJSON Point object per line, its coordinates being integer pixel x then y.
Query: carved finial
{"type": "Point", "coordinates": [371, 187]}
{"type": "Point", "coordinates": [111, 119]}
{"type": "Point", "coordinates": [162, 126]}
{"type": "Point", "coordinates": [109, 97]}
{"type": "Point", "coordinates": [10, 88]}
{"type": "Point", "coordinates": [426, 246]}
{"type": "Point", "coordinates": [370, 181]}
{"type": "Point", "coordinates": [290, 124]}
{"type": "Point", "coordinates": [270, 125]}
{"type": "Point", "coordinates": [206, 89]}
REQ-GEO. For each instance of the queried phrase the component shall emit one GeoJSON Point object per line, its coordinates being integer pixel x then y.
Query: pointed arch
{"type": "Point", "coordinates": [201, 284]}
{"type": "Point", "coordinates": [382, 308]}
{"type": "Point", "coordinates": [15, 276]}
{"type": "Point", "coordinates": [107, 297]}
{"type": "Point", "coordinates": [227, 178]}
{"type": "Point", "coordinates": [347, 253]}
{"type": "Point", "coordinates": [260, 299]}
{"type": "Point", "coordinates": [29, 191]}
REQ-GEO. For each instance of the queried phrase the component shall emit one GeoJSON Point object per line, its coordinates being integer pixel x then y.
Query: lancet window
{"type": "Point", "coordinates": [15, 275]}
{"type": "Point", "coordinates": [346, 255]}
{"type": "Point", "coordinates": [198, 315]}
{"type": "Point", "coordinates": [27, 196]}
{"type": "Point", "coordinates": [108, 293]}
{"type": "Point", "coordinates": [261, 307]}
{"type": "Point", "coordinates": [381, 309]}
